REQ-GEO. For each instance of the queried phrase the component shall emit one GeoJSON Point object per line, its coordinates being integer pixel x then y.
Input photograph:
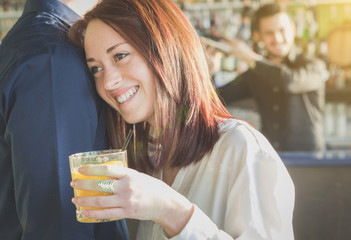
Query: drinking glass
{"type": "Point", "coordinates": [113, 156]}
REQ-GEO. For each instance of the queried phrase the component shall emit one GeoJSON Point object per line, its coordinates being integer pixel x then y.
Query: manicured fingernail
{"type": "Point", "coordinates": [74, 200]}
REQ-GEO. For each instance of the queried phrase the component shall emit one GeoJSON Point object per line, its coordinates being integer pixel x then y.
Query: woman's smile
{"type": "Point", "coordinates": [122, 98]}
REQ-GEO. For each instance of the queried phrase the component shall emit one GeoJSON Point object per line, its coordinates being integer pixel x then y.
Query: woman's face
{"type": "Point", "coordinates": [124, 79]}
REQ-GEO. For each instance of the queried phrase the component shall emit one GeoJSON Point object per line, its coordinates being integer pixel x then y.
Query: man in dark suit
{"type": "Point", "coordinates": [48, 110]}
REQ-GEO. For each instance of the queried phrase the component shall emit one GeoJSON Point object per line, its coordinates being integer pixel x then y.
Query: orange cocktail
{"type": "Point", "coordinates": [115, 157]}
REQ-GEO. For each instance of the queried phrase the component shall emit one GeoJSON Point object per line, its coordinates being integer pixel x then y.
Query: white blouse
{"type": "Point", "coordinates": [241, 190]}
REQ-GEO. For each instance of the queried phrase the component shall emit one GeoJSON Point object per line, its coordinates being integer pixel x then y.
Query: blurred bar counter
{"type": "Point", "coordinates": [323, 194]}
{"type": "Point", "coordinates": [317, 159]}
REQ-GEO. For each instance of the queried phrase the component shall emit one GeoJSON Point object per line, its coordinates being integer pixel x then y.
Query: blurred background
{"type": "Point", "coordinates": [322, 179]}
{"type": "Point", "coordinates": [323, 30]}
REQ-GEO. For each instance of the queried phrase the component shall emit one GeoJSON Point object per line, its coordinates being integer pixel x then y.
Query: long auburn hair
{"type": "Point", "coordinates": [187, 106]}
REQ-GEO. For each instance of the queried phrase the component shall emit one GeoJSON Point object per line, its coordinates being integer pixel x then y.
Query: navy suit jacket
{"type": "Point", "coordinates": [49, 109]}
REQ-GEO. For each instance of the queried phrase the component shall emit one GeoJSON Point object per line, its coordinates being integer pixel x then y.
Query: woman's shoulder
{"type": "Point", "coordinates": [237, 130]}
{"type": "Point", "coordinates": [240, 137]}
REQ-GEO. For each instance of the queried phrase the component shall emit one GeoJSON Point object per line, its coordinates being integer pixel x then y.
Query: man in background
{"type": "Point", "coordinates": [48, 110]}
{"type": "Point", "coordinates": [287, 86]}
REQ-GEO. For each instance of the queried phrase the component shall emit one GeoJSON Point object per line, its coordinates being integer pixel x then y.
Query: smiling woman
{"type": "Point", "coordinates": [195, 171]}
{"type": "Point", "coordinates": [170, 46]}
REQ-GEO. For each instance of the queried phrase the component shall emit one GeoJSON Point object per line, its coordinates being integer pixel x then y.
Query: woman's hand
{"type": "Point", "coordinates": [136, 195]}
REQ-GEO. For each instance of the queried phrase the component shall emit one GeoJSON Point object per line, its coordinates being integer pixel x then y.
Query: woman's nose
{"type": "Point", "coordinates": [112, 78]}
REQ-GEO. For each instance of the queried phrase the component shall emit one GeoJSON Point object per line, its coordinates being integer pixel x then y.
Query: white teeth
{"type": "Point", "coordinates": [127, 95]}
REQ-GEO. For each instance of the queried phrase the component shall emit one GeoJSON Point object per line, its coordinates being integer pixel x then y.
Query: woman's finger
{"type": "Point", "coordinates": [109, 213]}
{"type": "Point", "coordinates": [110, 201]}
{"type": "Point", "coordinates": [108, 170]}
{"type": "Point", "coordinates": [100, 185]}
{"type": "Point", "coordinates": [92, 185]}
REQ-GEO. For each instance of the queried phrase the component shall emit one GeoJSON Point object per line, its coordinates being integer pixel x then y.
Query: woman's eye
{"type": "Point", "coordinates": [120, 56]}
{"type": "Point", "coordinates": [94, 69]}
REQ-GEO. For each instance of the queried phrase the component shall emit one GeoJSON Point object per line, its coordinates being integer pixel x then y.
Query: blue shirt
{"type": "Point", "coordinates": [49, 109]}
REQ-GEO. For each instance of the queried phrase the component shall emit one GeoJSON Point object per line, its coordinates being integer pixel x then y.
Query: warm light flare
{"type": "Point", "coordinates": [80, 7]}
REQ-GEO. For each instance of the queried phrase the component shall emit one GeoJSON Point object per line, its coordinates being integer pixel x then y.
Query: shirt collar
{"type": "Point", "coordinates": [55, 7]}
{"type": "Point", "coordinates": [292, 55]}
